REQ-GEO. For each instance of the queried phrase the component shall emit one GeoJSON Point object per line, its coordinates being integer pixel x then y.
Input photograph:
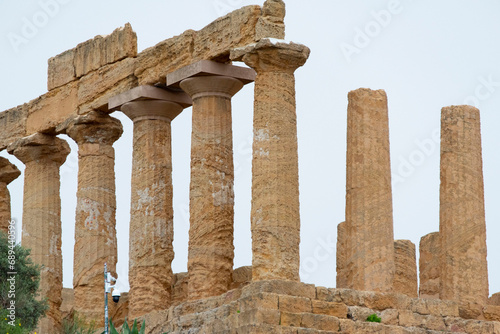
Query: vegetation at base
{"type": "Point", "coordinates": [373, 318]}
{"type": "Point", "coordinates": [78, 325]}
{"type": "Point", "coordinates": [126, 329]}
{"type": "Point", "coordinates": [28, 310]}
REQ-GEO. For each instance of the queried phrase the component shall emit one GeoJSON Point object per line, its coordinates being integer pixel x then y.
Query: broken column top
{"type": "Point", "coordinates": [210, 68]}
{"type": "Point", "coordinates": [8, 171]}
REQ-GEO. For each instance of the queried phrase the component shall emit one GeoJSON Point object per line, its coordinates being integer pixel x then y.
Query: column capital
{"type": "Point", "coordinates": [8, 171]}
{"type": "Point", "coordinates": [272, 55]}
{"type": "Point", "coordinates": [210, 78]}
{"type": "Point", "coordinates": [221, 86]}
{"type": "Point", "coordinates": [40, 146]}
{"type": "Point", "coordinates": [94, 128]}
{"type": "Point", "coordinates": [148, 102]}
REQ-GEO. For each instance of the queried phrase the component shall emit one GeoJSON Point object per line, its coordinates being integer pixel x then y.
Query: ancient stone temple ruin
{"type": "Point", "coordinates": [199, 69]}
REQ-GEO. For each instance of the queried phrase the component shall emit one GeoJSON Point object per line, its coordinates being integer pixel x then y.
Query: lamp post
{"type": "Point", "coordinates": [107, 289]}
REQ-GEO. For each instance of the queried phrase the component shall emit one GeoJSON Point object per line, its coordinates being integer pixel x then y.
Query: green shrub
{"type": "Point", "coordinates": [27, 279]}
{"type": "Point", "coordinates": [77, 325]}
{"type": "Point", "coordinates": [126, 329]}
{"type": "Point", "coordinates": [373, 318]}
{"type": "Point", "coordinates": [9, 329]}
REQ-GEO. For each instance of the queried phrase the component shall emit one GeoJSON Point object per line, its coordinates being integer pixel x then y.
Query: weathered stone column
{"type": "Point", "coordinates": [211, 199]}
{"type": "Point", "coordinates": [429, 265]}
{"type": "Point", "coordinates": [151, 211]}
{"type": "Point", "coordinates": [275, 215]}
{"type": "Point", "coordinates": [405, 264]}
{"type": "Point", "coordinates": [42, 156]}
{"type": "Point", "coordinates": [342, 245]}
{"type": "Point", "coordinates": [95, 233]}
{"type": "Point", "coordinates": [8, 173]}
{"type": "Point", "coordinates": [368, 192]}
{"type": "Point", "coordinates": [462, 227]}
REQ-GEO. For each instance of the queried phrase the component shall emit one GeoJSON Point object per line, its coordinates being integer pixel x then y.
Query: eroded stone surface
{"type": "Point", "coordinates": [370, 259]}
{"type": "Point", "coordinates": [211, 197]}
{"type": "Point", "coordinates": [429, 265]}
{"type": "Point", "coordinates": [12, 125]}
{"type": "Point", "coordinates": [405, 264]}
{"type": "Point", "coordinates": [95, 233]}
{"type": "Point", "coordinates": [275, 219]}
{"type": "Point", "coordinates": [8, 173]}
{"type": "Point", "coordinates": [342, 245]}
{"type": "Point", "coordinates": [42, 156]}
{"type": "Point", "coordinates": [462, 228]}
{"type": "Point", "coordinates": [151, 211]}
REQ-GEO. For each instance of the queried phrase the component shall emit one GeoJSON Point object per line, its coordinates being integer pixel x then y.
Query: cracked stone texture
{"type": "Point", "coordinates": [8, 173]}
{"type": "Point", "coordinates": [429, 265]}
{"type": "Point", "coordinates": [462, 227]}
{"type": "Point", "coordinates": [370, 259]}
{"type": "Point", "coordinates": [42, 156]}
{"type": "Point", "coordinates": [342, 242]}
{"type": "Point", "coordinates": [405, 263]}
{"type": "Point", "coordinates": [151, 212]}
{"type": "Point", "coordinates": [95, 233]}
{"type": "Point", "coordinates": [211, 196]}
{"type": "Point", "coordinates": [275, 218]}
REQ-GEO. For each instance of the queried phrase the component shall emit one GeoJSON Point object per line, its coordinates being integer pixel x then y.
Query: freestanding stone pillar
{"type": "Point", "coordinates": [462, 227]}
{"type": "Point", "coordinates": [368, 193]}
{"type": "Point", "coordinates": [275, 217]}
{"type": "Point", "coordinates": [8, 173]}
{"type": "Point", "coordinates": [342, 246]}
{"type": "Point", "coordinates": [95, 233]}
{"type": "Point", "coordinates": [405, 264]}
{"type": "Point", "coordinates": [43, 155]}
{"type": "Point", "coordinates": [210, 260]}
{"type": "Point", "coordinates": [429, 265]}
{"type": "Point", "coordinates": [151, 212]}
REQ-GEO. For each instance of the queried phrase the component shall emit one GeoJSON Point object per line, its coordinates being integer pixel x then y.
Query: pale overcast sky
{"type": "Point", "coordinates": [424, 54]}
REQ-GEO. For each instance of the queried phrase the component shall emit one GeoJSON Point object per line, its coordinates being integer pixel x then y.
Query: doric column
{"type": "Point", "coordinates": [275, 217]}
{"type": "Point", "coordinates": [429, 265]}
{"type": "Point", "coordinates": [95, 233]}
{"type": "Point", "coordinates": [211, 199]}
{"type": "Point", "coordinates": [8, 173]}
{"type": "Point", "coordinates": [151, 212]}
{"type": "Point", "coordinates": [405, 264]}
{"type": "Point", "coordinates": [368, 192]}
{"type": "Point", "coordinates": [462, 227]}
{"type": "Point", "coordinates": [42, 156]}
{"type": "Point", "coordinates": [342, 245]}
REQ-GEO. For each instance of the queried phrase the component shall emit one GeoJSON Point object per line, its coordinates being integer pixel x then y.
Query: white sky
{"type": "Point", "coordinates": [426, 55]}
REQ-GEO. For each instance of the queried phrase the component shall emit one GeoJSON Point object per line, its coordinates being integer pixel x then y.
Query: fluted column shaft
{"type": "Point", "coordinates": [8, 173]}
{"type": "Point", "coordinates": [42, 156]}
{"type": "Point", "coordinates": [462, 229]}
{"type": "Point", "coordinates": [369, 224]}
{"type": "Point", "coordinates": [95, 225]}
{"type": "Point", "coordinates": [342, 246]}
{"type": "Point", "coordinates": [429, 266]}
{"type": "Point", "coordinates": [211, 206]}
{"type": "Point", "coordinates": [151, 211]}
{"type": "Point", "coordinates": [275, 216]}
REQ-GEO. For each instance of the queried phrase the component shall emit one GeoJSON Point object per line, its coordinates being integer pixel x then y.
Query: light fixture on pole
{"type": "Point", "coordinates": [108, 279]}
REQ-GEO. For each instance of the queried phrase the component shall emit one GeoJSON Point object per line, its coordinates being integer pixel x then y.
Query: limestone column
{"type": "Point", "coordinates": [42, 156]}
{"type": "Point", "coordinates": [405, 264]}
{"type": "Point", "coordinates": [342, 245]}
{"type": "Point", "coordinates": [462, 227]}
{"type": "Point", "coordinates": [275, 216]}
{"type": "Point", "coordinates": [8, 173]}
{"type": "Point", "coordinates": [368, 192]}
{"type": "Point", "coordinates": [151, 210]}
{"type": "Point", "coordinates": [211, 199]}
{"type": "Point", "coordinates": [429, 265]}
{"type": "Point", "coordinates": [95, 233]}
